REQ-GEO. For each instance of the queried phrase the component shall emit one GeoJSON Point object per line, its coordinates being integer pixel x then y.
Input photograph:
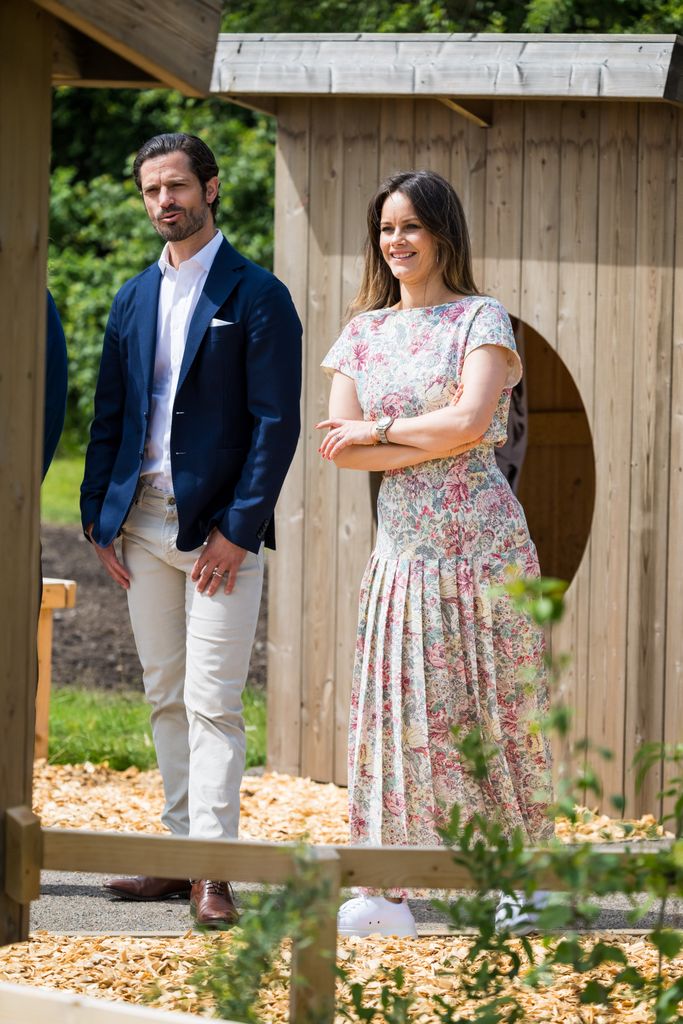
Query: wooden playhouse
{"type": "Point", "coordinates": [568, 154]}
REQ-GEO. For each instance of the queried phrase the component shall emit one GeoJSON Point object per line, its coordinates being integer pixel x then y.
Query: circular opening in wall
{"type": "Point", "coordinates": [550, 458]}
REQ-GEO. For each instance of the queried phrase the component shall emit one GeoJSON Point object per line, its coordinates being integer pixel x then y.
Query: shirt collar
{"type": "Point", "coordinates": [204, 257]}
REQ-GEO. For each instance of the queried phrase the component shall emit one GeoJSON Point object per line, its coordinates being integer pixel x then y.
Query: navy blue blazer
{"type": "Point", "coordinates": [56, 384]}
{"type": "Point", "coordinates": [236, 411]}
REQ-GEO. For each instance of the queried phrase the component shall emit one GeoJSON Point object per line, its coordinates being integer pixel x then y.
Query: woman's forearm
{"type": "Point", "coordinates": [450, 427]}
{"type": "Point", "coordinates": [381, 457]}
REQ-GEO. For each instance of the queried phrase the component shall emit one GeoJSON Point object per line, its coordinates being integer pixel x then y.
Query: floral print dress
{"type": "Point", "coordinates": [436, 648]}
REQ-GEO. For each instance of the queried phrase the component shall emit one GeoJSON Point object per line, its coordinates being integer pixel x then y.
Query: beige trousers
{"type": "Point", "coordinates": [195, 654]}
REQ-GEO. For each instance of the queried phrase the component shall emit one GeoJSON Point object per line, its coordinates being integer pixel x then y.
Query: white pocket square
{"type": "Point", "coordinates": [221, 323]}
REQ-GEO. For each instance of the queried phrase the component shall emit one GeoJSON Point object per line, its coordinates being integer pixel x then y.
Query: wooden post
{"type": "Point", "coordinates": [56, 594]}
{"type": "Point", "coordinates": [313, 974]}
{"type": "Point", "coordinates": [25, 102]}
{"type": "Point", "coordinates": [23, 854]}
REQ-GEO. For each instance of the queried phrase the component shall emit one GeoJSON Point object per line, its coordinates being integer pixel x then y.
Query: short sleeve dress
{"type": "Point", "coordinates": [436, 648]}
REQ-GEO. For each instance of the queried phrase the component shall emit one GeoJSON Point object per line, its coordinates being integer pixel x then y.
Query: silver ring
{"type": "Point", "coordinates": [217, 572]}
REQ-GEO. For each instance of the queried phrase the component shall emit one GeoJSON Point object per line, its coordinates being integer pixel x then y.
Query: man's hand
{"type": "Point", "coordinates": [220, 559]}
{"type": "Point", "coordinates": [109, 560]}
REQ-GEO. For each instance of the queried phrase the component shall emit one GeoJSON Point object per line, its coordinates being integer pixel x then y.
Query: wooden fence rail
{"type": "Point", "coordinates": [30, 848]}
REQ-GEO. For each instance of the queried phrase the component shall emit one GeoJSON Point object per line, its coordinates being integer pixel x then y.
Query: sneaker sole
{"type": "Point", "coordinates": [365, 933]}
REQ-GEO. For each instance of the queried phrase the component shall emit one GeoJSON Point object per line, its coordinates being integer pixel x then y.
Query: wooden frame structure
{"type": "Point", "coordinates": [568, 154]}
{"type": "Point", "coordinates": [171, 42]}
{"type": "Point", "coordinates": [31, 848]}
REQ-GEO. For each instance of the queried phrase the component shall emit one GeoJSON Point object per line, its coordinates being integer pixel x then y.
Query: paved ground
{"type": "Point", "coordinates": [72, 903]}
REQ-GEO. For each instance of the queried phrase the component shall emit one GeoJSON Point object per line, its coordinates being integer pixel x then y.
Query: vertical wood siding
{"type": "Point", "coordinates": [572, 212]}
{"type": "Point", "coordinates": [650, 440]}
{"type": "Point", "coordinates": [354, 514]}
{"type": "Point", "coordinates": [286, 570]}
{"type": "Point", "coordinates": [577, 280]}
{"type": "Point", "coordinates": [673, 697]}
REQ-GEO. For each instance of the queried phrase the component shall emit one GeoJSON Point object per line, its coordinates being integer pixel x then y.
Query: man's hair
{"type": "Point", "coordinates": [202, 160]}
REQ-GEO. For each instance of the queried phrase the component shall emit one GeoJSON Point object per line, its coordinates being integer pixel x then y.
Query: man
{"type": "Point", "coordinates": [56, 384]}
{"type": "Point", "coordinates": [196, 422]}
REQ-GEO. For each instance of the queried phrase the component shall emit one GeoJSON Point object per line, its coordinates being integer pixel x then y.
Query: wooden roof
{"type": "Point", "coordinates": [127, 43]}
{"type": "Point", "coordinates": [483, 66]}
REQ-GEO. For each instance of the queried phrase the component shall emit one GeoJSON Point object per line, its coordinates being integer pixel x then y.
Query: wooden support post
{"type": "Point", "coordinates": [56, 594]}
{"type": "Point", "coordinates": [25, 102]}
{"type": "Point", "coordinates": [313, 975]}
{"type": "Point", "coordinates": [23, 854]}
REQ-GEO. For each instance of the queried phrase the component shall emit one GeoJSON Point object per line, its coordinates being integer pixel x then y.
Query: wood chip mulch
{"type": "Point", "coordinates": [157, 972]}
{"type": "Point", "coordinates": [276, 807]}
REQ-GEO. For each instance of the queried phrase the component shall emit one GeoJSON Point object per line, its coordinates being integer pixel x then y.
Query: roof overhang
{"type": "Point", "coordinates": [478, 67]}
{"type": "Point", "coordinates": [125, 42]}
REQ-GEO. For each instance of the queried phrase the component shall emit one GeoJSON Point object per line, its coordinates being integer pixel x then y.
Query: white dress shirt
{"type": "Point", "coordinates": [178, 296]}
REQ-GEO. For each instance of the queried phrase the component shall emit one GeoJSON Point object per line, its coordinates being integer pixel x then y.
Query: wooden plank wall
{"type": "Point", "coordinates": [285, 572]}
{"type": "Point", "coordinates": [673, 669]}
{"type": "Point", "coordinates": [570, 207]}
{"type": "Point", "coordinates": [576, 290]}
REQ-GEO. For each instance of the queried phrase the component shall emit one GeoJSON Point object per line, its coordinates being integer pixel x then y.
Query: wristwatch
{"type": "Point", "coordinates": [381, 427]}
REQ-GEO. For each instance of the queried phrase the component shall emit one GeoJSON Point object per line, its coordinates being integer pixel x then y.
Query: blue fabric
{"type": "Point", "coordinates": [55, 384]}
{"type": "Point", "coordinates": [236, 411]}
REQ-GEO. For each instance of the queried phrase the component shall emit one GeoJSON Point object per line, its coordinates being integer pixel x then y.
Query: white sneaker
{"type": "Point", "coordinates": [512, 913]}
{"type": "Point", "coordinates": [375, 915]}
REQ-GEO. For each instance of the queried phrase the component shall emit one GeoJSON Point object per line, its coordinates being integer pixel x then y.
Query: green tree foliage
{"type": "Point", "coordinates": [99, 232]}
{"type": "Point", "coordinates": [454, 16]}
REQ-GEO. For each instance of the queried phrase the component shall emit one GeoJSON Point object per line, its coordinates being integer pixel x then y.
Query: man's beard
{"type": "Point", "coordinates": [190, 224]}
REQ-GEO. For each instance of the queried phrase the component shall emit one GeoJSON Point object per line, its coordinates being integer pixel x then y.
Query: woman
{"type": "Point", "coordinates": [421, 386]}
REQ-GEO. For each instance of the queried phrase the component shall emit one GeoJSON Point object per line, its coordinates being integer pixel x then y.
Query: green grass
{"type": "Point", "coordinates": [60, 493]}
{"type": "Point", "coordinates": [96, 726]}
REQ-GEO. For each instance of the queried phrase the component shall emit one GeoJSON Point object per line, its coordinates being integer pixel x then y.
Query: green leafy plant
{"type": "Point", "coordinates": [498, 959]}
{"type": "Point", "coordinates": [234, 974]}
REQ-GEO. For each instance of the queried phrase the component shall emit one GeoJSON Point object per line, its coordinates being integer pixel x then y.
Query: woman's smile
{"type": "Point", "coordinates": [406, 245]}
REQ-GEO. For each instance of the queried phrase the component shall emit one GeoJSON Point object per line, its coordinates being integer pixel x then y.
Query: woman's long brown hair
{"type": "Point", "coordinates": [440, 211]}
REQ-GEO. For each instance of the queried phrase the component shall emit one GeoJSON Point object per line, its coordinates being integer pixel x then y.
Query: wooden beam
{"type": "Point", "coordinates": [173, 41]}
{"type": "Point", "coordinates": [314, 961]}
{"type": "Point", "coordinates": [477, 67]}
{"type": "Point", "coordinates": [25, 99]}
{"type": "Point", "coordinates": [166, 856]}
{"type": "Point", "coordinates": [79, 60]}
{"type": "Point", "coordinates": [56, 594]}
{"type": "Point", "coordinates": [250, 861]}
{"type": "Point", "coordinates": [261, 104]}
{"type": "Point", "coordinates": [24, 1004]}
{"type": "Point", "coordinates": [479, 112]}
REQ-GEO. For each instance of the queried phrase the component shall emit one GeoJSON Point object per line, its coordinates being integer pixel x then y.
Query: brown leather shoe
{"type": "Point", "coordinates": [212, 904]}
{"type": "Point", "coordinates": [145, 888]}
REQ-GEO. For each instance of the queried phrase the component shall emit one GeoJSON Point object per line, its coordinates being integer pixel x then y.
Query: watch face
{"type": "Point", "coordinates": [384, 422]}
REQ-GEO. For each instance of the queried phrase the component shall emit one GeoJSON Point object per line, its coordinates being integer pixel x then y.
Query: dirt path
{"type": "Point", "coordinates": [93, 644]}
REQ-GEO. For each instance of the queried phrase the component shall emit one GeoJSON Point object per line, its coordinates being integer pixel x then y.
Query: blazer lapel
{"type": "Point", "coordinates": [220, 282]}
{"type": "Point", "coordinates": [147, 311]}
